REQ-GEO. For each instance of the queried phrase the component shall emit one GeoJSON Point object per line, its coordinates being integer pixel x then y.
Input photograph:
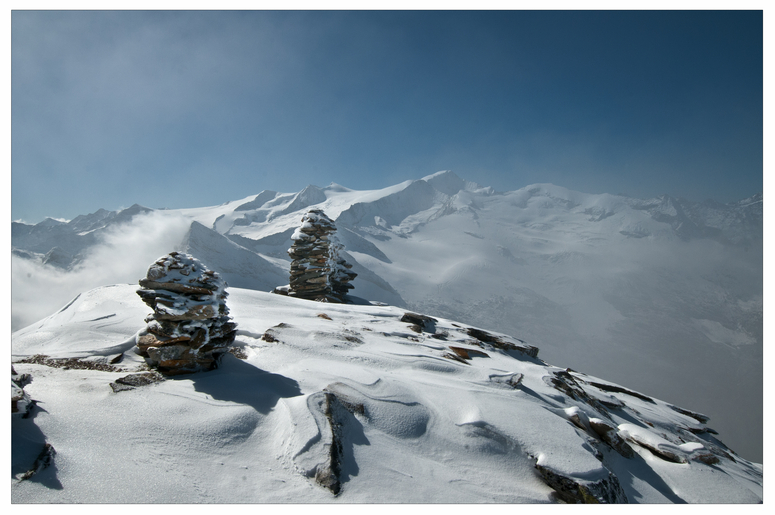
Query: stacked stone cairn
{"type": "Point", "coordinates": [190, 327]}
{"type": "Point", "coordinates": [317, 270]}
{"type": "Point", "coordinates": [20, 400]}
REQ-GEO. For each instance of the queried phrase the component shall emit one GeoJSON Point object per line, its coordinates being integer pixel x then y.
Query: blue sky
{"type": "Point", "coordinates": [187, 109]}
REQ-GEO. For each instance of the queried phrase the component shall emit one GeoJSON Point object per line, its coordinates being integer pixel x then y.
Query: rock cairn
{"type": "Point", "coordinates": [317, 270]}
{"type": "Point", "coordinates": [190, 327]}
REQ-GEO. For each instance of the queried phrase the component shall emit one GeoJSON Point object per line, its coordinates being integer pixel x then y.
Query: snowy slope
{"type": "Point", "coordinates": [663, 294]}
{"type": "Point", "coordinates": [349, 399]}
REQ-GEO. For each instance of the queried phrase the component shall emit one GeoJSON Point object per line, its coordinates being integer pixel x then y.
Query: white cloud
{"type": "Point", "coordinates": [123, 256]}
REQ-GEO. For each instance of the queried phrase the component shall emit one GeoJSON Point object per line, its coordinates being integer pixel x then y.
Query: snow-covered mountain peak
{"type": "Point", "coordinates": [51, 222]}
{"type": "Point", "coordinates": [337, 188]}
{"type": "Point", "coordinates": [448, 183]}
{"type": "Point", "coordinates": [257, 201]}
{"type": "Point", "coordinates": [605, 284]}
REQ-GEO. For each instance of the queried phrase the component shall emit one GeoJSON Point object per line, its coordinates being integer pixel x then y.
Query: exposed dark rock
{"type": "Point", "coordinates": [44, 459]}
{"type": "Point", "coordinates": [501, 343]}
{"type": "Point", "coordinates": [702, 419]}
{"type": "Point", "coordinates": [337, 428]}
{"type": "Point", "coordinates": [132, 381]}
{"type": "Point", "coordinates": [420, 323]}
{"type": "Point", "coordinates": [512, 380]}
{"type": "Point", "coordinates": [238, 352]}
{"type": "Point", "coordinates": [281, 290]}
{"type": "Point", "coordinates": [455, 357]}
{"type": "Point", "coordinates": [328, 475]}
{"type": "Point", "coordinates": [657, 451]}
{"type": "Point", "coordinates": [351, 336]}
{"type": "Point", "coordinates": [467, 353]}
{"type": "Point", "coordinates": [345, 400]}
{"type": "Point", "coordinates": [567, 384]}
{"type": "Point", "coordinates": [269, 336]}
{"type": "Point", "coordinates": [70, 363]}
{"type": "Point", "coordinates": [700, 430]}
{"type": "Point", "coordinates": [608, 434]}
{"type": "Point", "coordinates": [618, 389]}
{"type": "Point", "coordinates": [572, 490]}
{"type": "Point", "coordinates": [707, 458]}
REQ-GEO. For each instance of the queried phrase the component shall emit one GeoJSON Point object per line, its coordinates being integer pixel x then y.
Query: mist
{"type": "Point", "coordinates": [122, 256]}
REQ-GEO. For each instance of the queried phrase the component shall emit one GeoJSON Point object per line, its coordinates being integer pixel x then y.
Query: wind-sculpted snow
{"type": "Point", "coordinates": [349, 404]}
{"type": "Point", "coordinates": [663, 293]}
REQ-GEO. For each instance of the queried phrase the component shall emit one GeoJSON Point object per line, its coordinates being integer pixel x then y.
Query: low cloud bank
{"type": "Point", "coordinates": [122, 257]}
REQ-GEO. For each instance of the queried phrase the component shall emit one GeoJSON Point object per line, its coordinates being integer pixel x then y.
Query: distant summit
{"type": "Point", "coordinates": [663, 294]}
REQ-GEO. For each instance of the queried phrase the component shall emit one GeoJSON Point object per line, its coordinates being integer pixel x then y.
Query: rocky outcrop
{"type": "Point", "coordinates": [133, 381]}
{"type": "Point", "coordinates": [20, 400]}
{"type": "Point", "coordinates": [420, 323]}
{"type": "Point", "coordinates": [190, 327]}
{"type": "Point", "coordinates": [500, 342]}
{"type": "Point", "coordinates": [317, 270]}
{"type": "Point", "coordinates": [572, 490]}
{"type": "Point", "coordinates": [44, 460]}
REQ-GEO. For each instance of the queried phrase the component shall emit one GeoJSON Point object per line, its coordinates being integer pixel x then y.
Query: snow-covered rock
{"type": "Point", "coordinates": [20, 402]}
{"type": "Point", "coordinates": [190, 328]}
{"type": "Point", "coordinates": [317, 271]}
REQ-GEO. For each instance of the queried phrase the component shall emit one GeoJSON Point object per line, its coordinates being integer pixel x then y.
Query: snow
{"type": "Point", "coordinates": [604, 284]}
{"type": "Point", "coordinates": [430, 429]}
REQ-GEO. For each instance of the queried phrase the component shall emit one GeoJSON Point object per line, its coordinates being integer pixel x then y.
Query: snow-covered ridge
{"type": "Point", "coordinates": [663, 294]}
{"type": "Point", "coordinates": [346, 403]}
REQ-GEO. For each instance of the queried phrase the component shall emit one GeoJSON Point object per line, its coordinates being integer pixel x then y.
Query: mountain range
{"type": "Point", "coordinates": [663, 295]}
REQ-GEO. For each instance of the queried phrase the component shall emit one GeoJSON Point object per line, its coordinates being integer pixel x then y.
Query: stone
{"type": "Point", "coordinates": [420, 323]}
{"type": "Point", "coordinates": [499, 342]}
{"type": "Point", "coordinates": [132, 381]}
{"type": "Point", "coordinates": [44, 460]}
{"type": "Point", "coordinates": [608, 434]}
{"type": "Point", "coordinates": [190, 328]}
{"type": "Point", "coordinates": [317, 271]}
{"type": "Point", "coordinates": [21, 402]}
{"type": "Point", "coordinates": [572, 490]}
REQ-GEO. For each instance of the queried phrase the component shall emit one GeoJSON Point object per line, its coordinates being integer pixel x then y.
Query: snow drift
{"type": "Point", "coordinates": [344, 403]}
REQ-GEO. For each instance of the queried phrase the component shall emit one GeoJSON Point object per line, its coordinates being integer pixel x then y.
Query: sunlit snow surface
{"type": "Point", "coordinates": [628, 289]}
{"type": "Point", "coordinates": [431, 428]}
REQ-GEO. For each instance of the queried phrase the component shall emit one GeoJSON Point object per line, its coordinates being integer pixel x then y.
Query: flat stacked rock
{"type": "Point", "coordinates": [190, 327]}
{"type": "Point", "coordinates": [317, 271]}
{"type": "Point", "coordinates": [341, 277]}
{"type": "Point", "coordinates": [20, 400]}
